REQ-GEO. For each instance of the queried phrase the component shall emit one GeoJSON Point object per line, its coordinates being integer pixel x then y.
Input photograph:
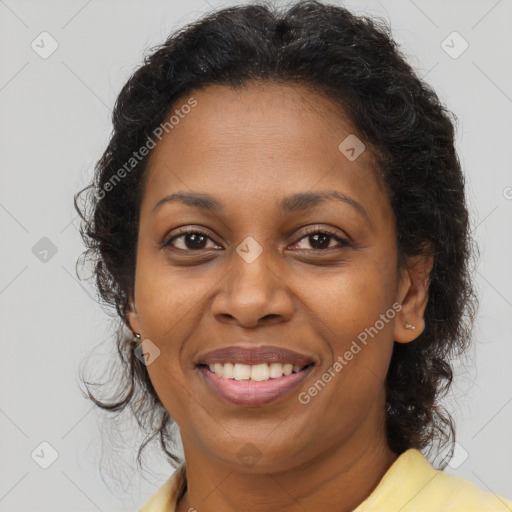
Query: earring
{"type": "Point", "coordinates": [136, 336]}
{"type": "Point", "coordinates": [410, 326]}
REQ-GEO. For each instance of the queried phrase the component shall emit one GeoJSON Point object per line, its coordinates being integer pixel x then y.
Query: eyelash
{"type": "Point", "coordinates": [309, 232]}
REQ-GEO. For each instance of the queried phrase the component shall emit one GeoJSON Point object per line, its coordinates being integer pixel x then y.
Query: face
{"type": "Point", "coordinates": [267, 268]}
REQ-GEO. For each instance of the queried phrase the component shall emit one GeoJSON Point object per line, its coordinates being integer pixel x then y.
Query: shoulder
{"type": "Point", "coordinates": [411, 484]}
{"type": "Point", "coordinates": [166, 497]}
{"type": "Point", "coordinates": [458, 494]}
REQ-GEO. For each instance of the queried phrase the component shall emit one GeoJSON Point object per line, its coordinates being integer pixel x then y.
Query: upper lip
{"type": "Point", "coordinates": [254, 355]}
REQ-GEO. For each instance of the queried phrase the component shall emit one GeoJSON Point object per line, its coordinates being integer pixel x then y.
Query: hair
{"type": "Point", "coordinates": [355, 61]}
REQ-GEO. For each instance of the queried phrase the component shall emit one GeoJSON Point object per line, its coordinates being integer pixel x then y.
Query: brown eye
{"type": "Point", "coordinates": [190, 241]}
{"type": "Point", "coordinates": [319, 240]}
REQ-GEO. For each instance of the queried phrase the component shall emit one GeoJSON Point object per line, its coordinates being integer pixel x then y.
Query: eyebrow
{"type": "Point", "coordinates": [289, 204]}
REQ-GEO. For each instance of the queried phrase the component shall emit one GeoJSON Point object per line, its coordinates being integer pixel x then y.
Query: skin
{"type": "Point", "coordinates": [249, 148]}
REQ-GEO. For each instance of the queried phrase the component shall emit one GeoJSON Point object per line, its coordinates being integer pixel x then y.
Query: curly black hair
{"type": "Point", "coordinates": [355, 61]}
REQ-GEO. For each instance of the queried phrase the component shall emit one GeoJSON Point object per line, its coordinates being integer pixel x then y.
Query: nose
{"type": "Point", "coordinates": [253, 293]}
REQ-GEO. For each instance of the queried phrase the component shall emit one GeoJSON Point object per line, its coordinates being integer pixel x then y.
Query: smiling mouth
{"type": "Point", "coordinates": [255, 372]}
{"type": "Point", "coordinates": [253, 385]}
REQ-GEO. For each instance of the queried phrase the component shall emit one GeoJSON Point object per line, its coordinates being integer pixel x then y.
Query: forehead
{"type": "Point", "coordinates": [260, 142]}
{"type": "Point", "coordinates": [260, 116]}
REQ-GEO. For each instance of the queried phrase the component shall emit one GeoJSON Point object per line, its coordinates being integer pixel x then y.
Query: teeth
{"type": "Point", "coordinates": [218, 369]}
{"type": "Point", "coordinates": [275, 370]}
{"type": "Point", "coordinates": [256, 372]}
{"type": "Point", "coordinates": [227, 370]}
{"type": "Point", "coordinates": [260, 372]}
{"type": "Point", "coordinates": [242, 372]}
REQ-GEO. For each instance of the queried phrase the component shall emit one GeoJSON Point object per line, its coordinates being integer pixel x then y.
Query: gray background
{"type": "Point", "coordinates": [55, 123]}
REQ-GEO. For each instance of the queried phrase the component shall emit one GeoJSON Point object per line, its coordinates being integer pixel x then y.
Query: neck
{"type": "Point", "coordinates": [339, 478]}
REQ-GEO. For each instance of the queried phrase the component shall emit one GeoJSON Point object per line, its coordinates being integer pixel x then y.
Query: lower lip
{"type": "Point", "coordinates": [254, 393]}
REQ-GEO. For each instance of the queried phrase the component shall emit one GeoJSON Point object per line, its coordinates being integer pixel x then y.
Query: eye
{"type": "Point", "coordinates": [190, 240]}
{"type": "Point", "coordinates": [319, 239]}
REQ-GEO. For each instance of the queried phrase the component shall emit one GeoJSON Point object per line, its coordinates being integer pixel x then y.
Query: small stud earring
{"type": "Point", "coordinates": [410, 326]}
{"type": "Point", "coordinates": [136, 336]}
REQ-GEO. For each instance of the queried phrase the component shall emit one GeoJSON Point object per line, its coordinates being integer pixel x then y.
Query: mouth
{"type": "Point", "coordinates": [254, 372]}
{"type": "Point", "coordinates": [253, 385]}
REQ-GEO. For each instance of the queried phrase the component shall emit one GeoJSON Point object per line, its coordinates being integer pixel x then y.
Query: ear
{"type": "Point", "coordinates": [132, 317]}
{"type": "Point", "coordinates": [413, 296]}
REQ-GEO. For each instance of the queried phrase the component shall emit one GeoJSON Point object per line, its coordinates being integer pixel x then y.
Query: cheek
{"type": "Point", "coordinates": [168, 307]}
{"type": "Point", "coordinates": [352, 310]}
{"type": "Point", "coordinates": [166, 299]}
{"type": "Point", "coordinates": [173, 391]}
{"type": "Point", "coordinates": [356, 321]}
{"type": "Point", "coordinates": [351, 298]}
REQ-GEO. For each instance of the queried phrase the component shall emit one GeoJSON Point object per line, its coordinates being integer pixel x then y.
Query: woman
{"type": "Point", "coordinates": [280, 221]}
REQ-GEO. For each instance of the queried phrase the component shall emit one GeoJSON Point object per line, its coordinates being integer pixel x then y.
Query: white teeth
{"type": "Point", "coordinates": [218, 369]}
{"type": "Point", "coordinates": [242, 372]}
{"type": "Point", "coordinates": [256, 372]}
{"type": "Point", "coordinates": [228, 370]}
{"type": "Point", "coordinates": [260, 372]}
{"type": "Point", "coordinates": [276, 370]}
{"type": "Point", "coordinates": [287, 368]}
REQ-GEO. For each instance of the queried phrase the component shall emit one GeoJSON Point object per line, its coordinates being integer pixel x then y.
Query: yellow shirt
{"type": "Point", "coordinates": [411, 484]}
